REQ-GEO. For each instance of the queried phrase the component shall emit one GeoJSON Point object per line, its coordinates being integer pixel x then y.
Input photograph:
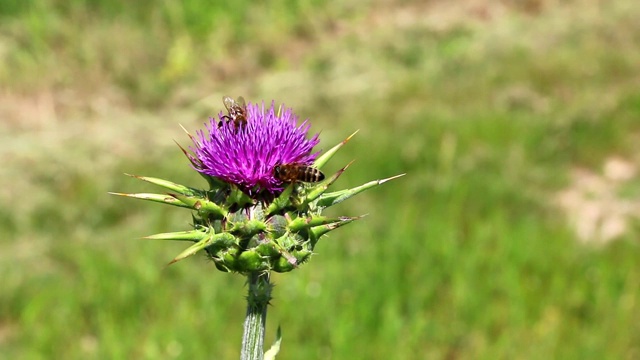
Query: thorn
{"type": "Point", "coordinates": [391, 178]}
{"type": "Point", "coordinates": [349, 164]}
{"type": "Point", "coordinates": [135, 176]}
{"type": "Point", "coordinates": [194, 161]}
{"type": "Point", "coordinates": [171, 263]}
{"type": "Point", "coordinates": [119, 194]}
{"type": "Point", "coordinates": [187, 132]}
{"type": "Point", "coordinates": [339, 173]}
{"type": "Point", "coordinates": [350, 136]}
{"type": "Point", "coordinates": [352, 218]}
{"type": "Point", "coordinates": [180, 146]}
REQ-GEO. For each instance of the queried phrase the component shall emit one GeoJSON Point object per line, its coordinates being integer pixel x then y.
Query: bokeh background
{"type": "Point", "coordinates": [515, 233]}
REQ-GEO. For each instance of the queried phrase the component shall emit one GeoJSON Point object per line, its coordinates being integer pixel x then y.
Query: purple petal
{"type": "Point", "coordinates": [246, 157]}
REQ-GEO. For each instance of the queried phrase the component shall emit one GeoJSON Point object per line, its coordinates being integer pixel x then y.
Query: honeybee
{"type": "Point", "coordinates": [237, 112]}
{"type": "Point", "coordinates": [290, 173]}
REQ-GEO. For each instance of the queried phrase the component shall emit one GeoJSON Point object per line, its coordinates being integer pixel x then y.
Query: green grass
{"type": "Point", "coordinates": [467, 256]}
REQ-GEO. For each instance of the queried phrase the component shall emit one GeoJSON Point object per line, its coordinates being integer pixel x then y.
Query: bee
{"type": "Point", "coordinates": [237, 112]}
{"type": "Point", "coordinates": [290, 173]}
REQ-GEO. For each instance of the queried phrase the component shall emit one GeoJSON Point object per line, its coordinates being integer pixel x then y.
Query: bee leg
{"type": "Point", "coordinates": [223, 118]}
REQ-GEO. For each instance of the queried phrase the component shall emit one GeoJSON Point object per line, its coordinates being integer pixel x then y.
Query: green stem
{"type": "Point", "coordinates": [256, 318]}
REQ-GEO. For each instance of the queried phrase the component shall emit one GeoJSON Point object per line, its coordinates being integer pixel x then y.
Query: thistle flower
{"type": "Point", "coordinates": [247, 157]}
{"type": "Point", "coordinates": [263, 209]}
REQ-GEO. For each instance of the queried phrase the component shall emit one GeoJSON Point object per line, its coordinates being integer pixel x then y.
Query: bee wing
{"type": "Point", "coordinates": [228, 102]}
{"type": "Point", "coordinates": [240, 101]}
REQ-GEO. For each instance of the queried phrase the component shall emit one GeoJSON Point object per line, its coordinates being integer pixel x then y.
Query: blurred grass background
{"type": "Point", "coordinates": [499, 111]}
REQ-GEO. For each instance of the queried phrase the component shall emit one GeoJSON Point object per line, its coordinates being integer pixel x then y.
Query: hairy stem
{"type": "Point", "coordinates": [258, 299]}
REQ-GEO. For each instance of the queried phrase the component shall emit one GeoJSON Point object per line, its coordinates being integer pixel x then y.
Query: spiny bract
{"type": "Point", "coordinates": [250, 219]}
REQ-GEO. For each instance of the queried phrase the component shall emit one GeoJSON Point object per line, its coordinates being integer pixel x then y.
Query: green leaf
{"type": "Point", "coordinates": [248, 228]}
{"type": "Point", "coordinates": [202, 205]}
{"type": "Point", "coordinates": [320, 230]}
{"type": "Point", "coordinates": [336, 197]}
{"type": "Point", "coordinates": [191, 235]}
{"type": "Point", "coordinates": [315, 192]}
{"type": "Point", "coordinates": [237, 197]}
{"type": "Point", "coordinates": [322, 159]}
{"type": "Point", "coordinates": [302, 223]}
{"type": "Point", "coordinates": [161, 198]}
{"type": "Point", "coordinates": [288, 258]}
{"type": "Point", "coordinates": [250, 261]}
{"type": "Point", "coordinates": [223, 238]}
{"type": "Point", "coordinates": [281, 202]}
{"type": "Point", "coordinates": [185, 190]}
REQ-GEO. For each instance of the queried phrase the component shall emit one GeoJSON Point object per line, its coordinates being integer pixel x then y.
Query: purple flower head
{"type": "Point", "coordinates": [246, 156]}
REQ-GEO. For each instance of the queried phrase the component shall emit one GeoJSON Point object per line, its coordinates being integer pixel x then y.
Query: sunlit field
{"type": "Point", "coordinates": [514, 235]}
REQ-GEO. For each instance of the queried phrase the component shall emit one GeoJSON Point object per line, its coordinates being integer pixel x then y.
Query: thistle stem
{"type": "Point", "coordinates": [258, 298]}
